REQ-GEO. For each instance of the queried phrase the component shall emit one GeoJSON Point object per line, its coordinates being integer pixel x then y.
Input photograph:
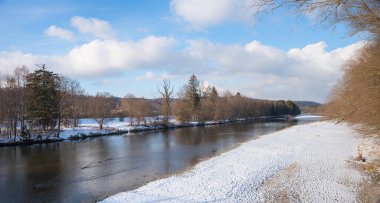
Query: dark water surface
{"type": "Point", "coordinates": [92, 169]}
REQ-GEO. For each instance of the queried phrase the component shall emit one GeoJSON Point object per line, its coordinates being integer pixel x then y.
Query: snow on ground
{"type": "Point", "coordinates": [88, 127]}
{"type": "Point", "coordinates": [66, 133]}
{"type": "Point", "coordinates": [304, 163]}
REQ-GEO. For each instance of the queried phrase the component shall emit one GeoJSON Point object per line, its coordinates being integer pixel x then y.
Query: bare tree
{"type": "Point", "coordinates": [166, 92]}
{"type": "Point", "coordinates": [102, 105]}
{"type": "Point", "coordinates": [14, 102]}
{"type": "Point", "coordinates": [11, 105]}
{"type": "Point", "coordinates": [143, 110]}
{"type": "Point", "coordinates": [128, 104]}
{"type": "Point", "coordinates": [360, 15]}
{"type": "Point", "coordinates": [21, 74]}
{"type": "Point", "coordinates": [70, 92]}
{"type": "Point", "coordinates": [76, 91]}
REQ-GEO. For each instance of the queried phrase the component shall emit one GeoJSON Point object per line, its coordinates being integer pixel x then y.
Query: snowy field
{"type": "Point", "coordinates": [304, 163]}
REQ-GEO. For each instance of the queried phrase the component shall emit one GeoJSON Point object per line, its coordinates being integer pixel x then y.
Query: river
{"type": "Point", "coordinates": [92, 169]}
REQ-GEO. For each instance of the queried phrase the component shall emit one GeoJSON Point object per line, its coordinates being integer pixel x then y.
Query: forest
{"type": "Point", "coordinates": [42, 101]}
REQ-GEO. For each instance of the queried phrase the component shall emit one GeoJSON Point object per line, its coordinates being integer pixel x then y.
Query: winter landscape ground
{"type": "Point", "coordinates": [88, 127]}
{"type": "Point", "coordinates": [305, 163]}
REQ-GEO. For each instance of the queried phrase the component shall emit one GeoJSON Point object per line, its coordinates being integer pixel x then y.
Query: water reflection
{"type": "Point", "coordinates": [92, 169]}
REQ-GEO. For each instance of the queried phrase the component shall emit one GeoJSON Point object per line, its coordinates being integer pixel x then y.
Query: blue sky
{"type": "Point", "coordinates": [130, 46]}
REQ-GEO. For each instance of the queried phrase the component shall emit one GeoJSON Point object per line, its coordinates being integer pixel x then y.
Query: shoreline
{"type": "Point", "coordinates": [133, 129]}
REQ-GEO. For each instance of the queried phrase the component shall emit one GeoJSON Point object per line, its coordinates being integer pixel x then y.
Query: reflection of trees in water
{"type": "Point", "coordinates": [10, 175]}
{"type": "Point", "coordinates": [166, 162]}
{"type": "Point", "coordinates": [44, 170]}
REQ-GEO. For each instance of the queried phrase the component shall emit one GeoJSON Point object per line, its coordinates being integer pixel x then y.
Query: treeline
{"type": "Point", "coordinates": [42, 101]}
{"type": "Point", "coordinates": [196, 103]}
{"type": "Point", "coordinates": [356, 98]}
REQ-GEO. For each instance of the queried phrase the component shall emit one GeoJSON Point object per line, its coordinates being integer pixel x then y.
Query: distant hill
{"type": "Point", "coordinates": [307, 103]}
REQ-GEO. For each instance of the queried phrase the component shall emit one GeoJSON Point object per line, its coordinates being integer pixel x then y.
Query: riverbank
{"type": "Point", "coordinates": [89, 128]}
{"type": "Point", "coordinates": [307, 163]}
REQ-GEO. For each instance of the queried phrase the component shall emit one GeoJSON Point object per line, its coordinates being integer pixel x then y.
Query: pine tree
{"type": "Point", "coordinates": [193, 95]}
{"type": "Point", "coordinates": [42, 96]}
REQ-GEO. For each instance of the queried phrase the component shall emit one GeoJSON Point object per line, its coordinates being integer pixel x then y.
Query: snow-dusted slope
{"type": "Point", "coordinates": [307, 163]}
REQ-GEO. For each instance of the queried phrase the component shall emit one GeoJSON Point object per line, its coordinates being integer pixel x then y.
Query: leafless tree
{"type": "Point", "coordinates": [143, 110]}
{"type": "Point", "coordinates": [13, 103]}
{"type": "Point", "coordinates": [21, 74]}
{"type": "Point", "coordinates": [166, 92]}
{"type": "Point", "coordinates": [128, 104]}
{"type": "Point", "coordinates": [360, 15]}
{"type": "Point", "coordinates": [102, 105]}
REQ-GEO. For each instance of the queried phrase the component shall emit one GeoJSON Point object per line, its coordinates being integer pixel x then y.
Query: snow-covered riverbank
{"type": "Point", "coordinates": [89, 128]}
{"type": "Point", "coordinates": [304, 163]}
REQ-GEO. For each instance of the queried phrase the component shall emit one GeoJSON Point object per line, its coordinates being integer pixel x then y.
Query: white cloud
{"type": "Point", "coordinates": [201, 13]}
{"type": "Point", "coordinates": [99, 28]}
{"type": "Point", "coordinates": [254, 69]}
{"type": "Point", "coordinates": [10, 60]}
{"type": "Point", "coordinates": [102, 56]}
{"type": "Point", "coordinates": [262, 71]}
{"type": "Point", "coordinates": [54, 31]}
{"type": "Point", "coordinates": [97, 57]}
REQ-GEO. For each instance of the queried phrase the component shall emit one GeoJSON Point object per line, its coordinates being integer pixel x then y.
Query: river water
{"type": "Point", "coordinates": [92, 169]}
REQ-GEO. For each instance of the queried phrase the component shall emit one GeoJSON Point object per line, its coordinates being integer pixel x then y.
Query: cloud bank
{"type": "Point", "coordinates": [254, 69]}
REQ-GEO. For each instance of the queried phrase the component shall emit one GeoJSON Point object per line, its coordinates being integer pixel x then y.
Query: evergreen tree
{"type": "Point", "coordinates": [42, 97]}
{"type": "Point", "coordinates": [193, 95]}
